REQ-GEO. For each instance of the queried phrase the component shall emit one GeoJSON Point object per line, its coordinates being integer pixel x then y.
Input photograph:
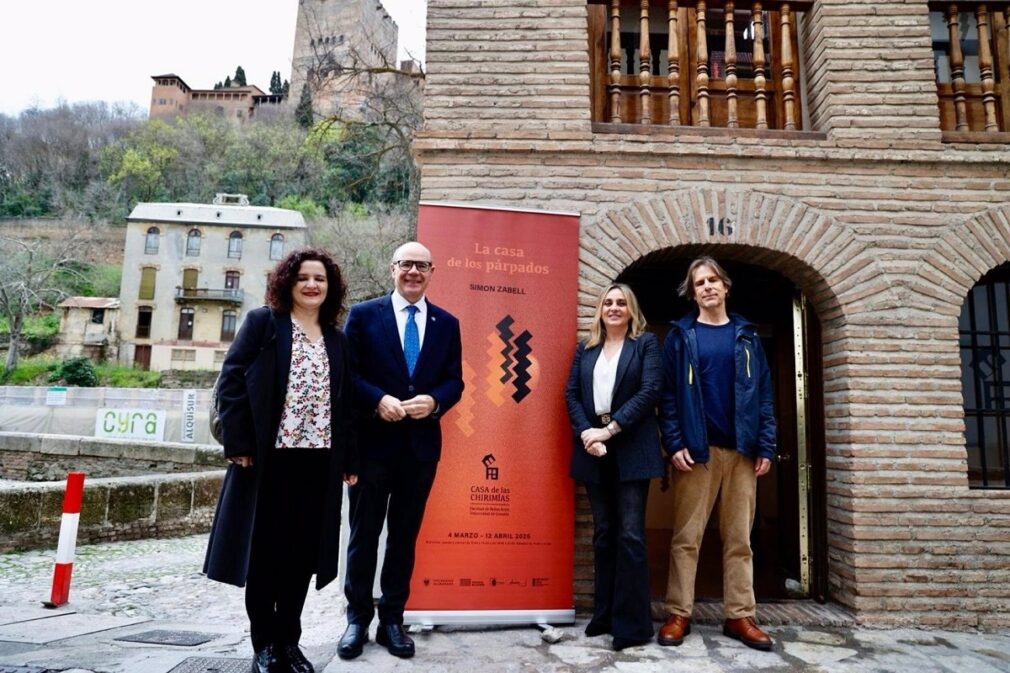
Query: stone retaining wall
{"type": "Point", "coordinates": [33, 457]}
{"type": "Point", "coordinates": [122, 508]}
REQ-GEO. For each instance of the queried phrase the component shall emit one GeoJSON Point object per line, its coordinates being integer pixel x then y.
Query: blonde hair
{"type": "Point", "coordinates": [636, 326]}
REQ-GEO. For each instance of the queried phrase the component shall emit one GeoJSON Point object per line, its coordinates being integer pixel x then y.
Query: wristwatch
{"type": "Point", "coordinates": [612, 428]}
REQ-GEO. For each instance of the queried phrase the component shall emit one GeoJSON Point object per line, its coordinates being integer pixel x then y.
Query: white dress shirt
{"type": "Point", "coordinates": [400, 311]}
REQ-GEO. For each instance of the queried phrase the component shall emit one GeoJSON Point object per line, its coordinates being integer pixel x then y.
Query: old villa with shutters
{"type": "Point", "coordinates": [850, 162]}
{"type": "Point", "coordinates": [191, 271]}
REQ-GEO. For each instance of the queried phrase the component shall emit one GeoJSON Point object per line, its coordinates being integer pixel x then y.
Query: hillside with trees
{"type": "Point", "coordinates": [97, 161]}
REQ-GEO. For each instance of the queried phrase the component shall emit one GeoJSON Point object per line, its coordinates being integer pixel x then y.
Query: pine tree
{"type": "Point", "coordinates": [227, 82]}
{"type": "Point", "coordinates": [275, 82]}
{"type": "Point", "coordinates": [303, 113]}
{"type": "Point", "coordinates": [239, 76]}
{"type": "Point", "coordinates": [286, 88]}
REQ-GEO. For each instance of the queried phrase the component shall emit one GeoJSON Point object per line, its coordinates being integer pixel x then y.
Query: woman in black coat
{"type": "Point", "coordinates": [612, 392]}
{"type": "Point", "coordinates": [284, 401]}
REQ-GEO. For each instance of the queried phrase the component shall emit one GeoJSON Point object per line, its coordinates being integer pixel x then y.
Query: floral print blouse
{"type": "Point", "coordinates": [305, 421]}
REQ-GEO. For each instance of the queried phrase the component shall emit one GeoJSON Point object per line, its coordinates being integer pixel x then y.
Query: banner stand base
{"type": "Point", "coordinates": [428, 618]}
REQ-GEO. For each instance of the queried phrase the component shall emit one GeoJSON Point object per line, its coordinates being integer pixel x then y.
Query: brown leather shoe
{"type": "Point", "coordinates": [673, 630]}
{"type": "Point", "coordinates": [747, 632]}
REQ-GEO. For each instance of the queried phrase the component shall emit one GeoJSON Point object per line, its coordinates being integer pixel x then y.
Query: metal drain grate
{"type": "Point", "coordinates": [163, 637]}
{"type": "Point", "coordinates": [212, 665]}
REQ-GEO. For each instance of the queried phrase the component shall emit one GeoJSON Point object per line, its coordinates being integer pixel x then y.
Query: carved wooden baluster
{"type": "Point", "coordinates": [673, 63]}
{"type": "Point", "coordinates": [615, 61]}
{"type": "Point", "coordinates": [733, 119]}
{"type": "Point", "coordinates": [788, 80]}
{"type": "Point", "coordinates": [644, 65]}
{"type": "Point", "coordinates": [760, 96]}
{"type": "Point", "coordinates": [702, 69]}
{"type": "Point", "coordinates": [957, 69]}
{"type": "Point", "coordinates": [985, 68]}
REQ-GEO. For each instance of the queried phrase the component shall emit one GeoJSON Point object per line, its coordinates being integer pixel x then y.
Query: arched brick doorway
{"type": "Point", "coordinates": [789, 537]}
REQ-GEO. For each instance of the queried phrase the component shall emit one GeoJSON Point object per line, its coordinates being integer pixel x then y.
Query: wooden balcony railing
{"type": "Point", "coordinates": [696, 63]}
{"type": "Point", "coordinates": [971, 53]}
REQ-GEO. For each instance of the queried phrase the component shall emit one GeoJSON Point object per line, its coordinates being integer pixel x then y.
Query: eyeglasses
{"type": "Point", "coordinates": [406, 264]}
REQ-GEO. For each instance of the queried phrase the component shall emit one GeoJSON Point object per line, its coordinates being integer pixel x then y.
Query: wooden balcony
{"type": "Point", "coordinates": [971, 53]}
{"type": "Point", "coordinates": [702, 63]}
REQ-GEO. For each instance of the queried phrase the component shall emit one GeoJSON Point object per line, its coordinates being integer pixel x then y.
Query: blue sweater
{"type": "Point", "coordinates": [682, 420]}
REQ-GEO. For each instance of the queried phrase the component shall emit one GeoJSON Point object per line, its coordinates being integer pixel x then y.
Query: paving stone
{"type": "Point", "coordinates": [818, 654]}
{"type": "Point", "coordinates": [822, 638]}
{"type": "Point", "coordinates": [48, 630]}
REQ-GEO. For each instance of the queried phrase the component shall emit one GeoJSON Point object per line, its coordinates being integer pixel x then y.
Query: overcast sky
{"type": "Point", "coordinates": [83, 50]}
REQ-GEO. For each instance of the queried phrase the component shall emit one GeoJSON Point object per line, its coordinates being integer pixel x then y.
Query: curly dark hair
{"type": "Point", "coordinates": [284, 276]}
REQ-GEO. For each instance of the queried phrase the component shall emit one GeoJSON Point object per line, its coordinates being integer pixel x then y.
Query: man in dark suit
{"type": "Point", "coordinates": [407, 357]}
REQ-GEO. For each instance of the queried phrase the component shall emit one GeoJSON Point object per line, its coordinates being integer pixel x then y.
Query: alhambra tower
{"type": "Point", "coordinates": [334, 38]}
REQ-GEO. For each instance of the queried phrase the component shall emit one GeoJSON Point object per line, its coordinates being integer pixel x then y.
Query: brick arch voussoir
{"type": "Point", "coordinates": [821, 256]}
{"type": "Point", "coordinates": [963, 254]}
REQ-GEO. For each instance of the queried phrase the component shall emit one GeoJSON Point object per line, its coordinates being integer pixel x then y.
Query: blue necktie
{"type": "Point", "coordinates": [411, 340]}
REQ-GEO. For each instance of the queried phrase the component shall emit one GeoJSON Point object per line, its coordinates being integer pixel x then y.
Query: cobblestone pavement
{"type": "Point", "coordinates": [131, 587]}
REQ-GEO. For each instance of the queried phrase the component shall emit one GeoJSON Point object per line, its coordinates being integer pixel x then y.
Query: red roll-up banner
{"type": "Point", "coordinates": [497, 543]}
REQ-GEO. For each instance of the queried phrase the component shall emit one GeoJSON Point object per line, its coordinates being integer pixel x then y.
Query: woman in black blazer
{"type": "Point", "coordinates": [284, 401]}
{"type": "Point", "coordinates": [612, 392]}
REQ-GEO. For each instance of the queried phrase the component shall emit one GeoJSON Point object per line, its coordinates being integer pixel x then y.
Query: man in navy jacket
{"type": "Point", "coordinates": [718, 427]}
{"type": "Point", "coordinates": [407, 359]}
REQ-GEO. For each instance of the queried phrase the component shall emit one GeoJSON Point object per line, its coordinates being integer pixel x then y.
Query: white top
{"type": "Point", "coordinates": [400, 311]}
{"type": "Point", "coordinates": [604, 375]}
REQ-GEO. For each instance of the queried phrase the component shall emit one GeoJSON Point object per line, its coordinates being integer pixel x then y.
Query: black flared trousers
{"type": "Point", "coordinates": [285, 547]}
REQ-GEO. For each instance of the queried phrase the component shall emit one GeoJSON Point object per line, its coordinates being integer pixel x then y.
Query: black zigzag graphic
{"type": "Point", "coordinates": [506, 336]}
{"type": "Point", "coordinates": [522, 366]}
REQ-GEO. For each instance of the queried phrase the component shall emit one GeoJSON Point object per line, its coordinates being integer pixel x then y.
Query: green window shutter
{"type": "Point", "coordinates": [189, 278]}
{"type": "Point", "coordinates": [147, 276]}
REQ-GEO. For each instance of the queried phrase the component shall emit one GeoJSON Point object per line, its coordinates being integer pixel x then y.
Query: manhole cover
{"type": "Point", "coordinates": [162, 637]}
{"type": "Point", "coordinates": [212, 665]}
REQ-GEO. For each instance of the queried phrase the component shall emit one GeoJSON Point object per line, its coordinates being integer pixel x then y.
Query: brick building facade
{"type": "Point", "coordinates": [856, 226]}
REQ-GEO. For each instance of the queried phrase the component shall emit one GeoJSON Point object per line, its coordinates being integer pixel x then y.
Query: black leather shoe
{"type": "Point", "coordinates": [352, 641]}
{"type": "Point", "coordinates": [297, 663]}
{"type": "Point", "coordinates": [624, 643]}
{"type": "Point", "coordinates": [268, 660]}
{"type": "Point", "coordinates": [597, 629]}
{"type": "Point", "coordinates": [394, 639]}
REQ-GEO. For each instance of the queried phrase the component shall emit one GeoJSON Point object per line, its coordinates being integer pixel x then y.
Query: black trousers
{"type": "Point", "coordinates": [285, 547]}
{"type": "Point", "coordinates": [395, 492]}
{"type": "Point", "coordinates": [621, 583]}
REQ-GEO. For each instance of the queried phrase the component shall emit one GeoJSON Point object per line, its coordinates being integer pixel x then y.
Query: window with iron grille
{"type": "Point", "coordinates": [984, 330]}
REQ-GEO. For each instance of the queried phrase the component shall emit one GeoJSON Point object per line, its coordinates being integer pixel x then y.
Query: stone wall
{"type": "Point", "coordinates": [34, 457]}
{"type": "Point", "coordinates": [883, 225]}
{"type": "Point", "coordinates": [125, 508]}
